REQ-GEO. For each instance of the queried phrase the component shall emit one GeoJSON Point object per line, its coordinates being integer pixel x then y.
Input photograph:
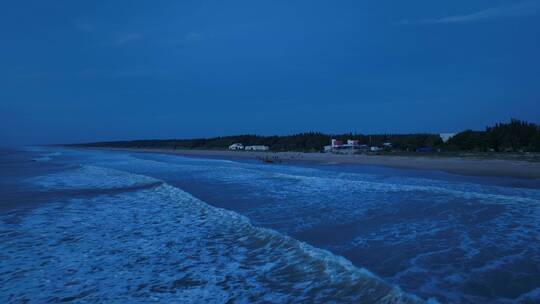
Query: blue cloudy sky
{"type": "Point", "coordinates": [75, 71]}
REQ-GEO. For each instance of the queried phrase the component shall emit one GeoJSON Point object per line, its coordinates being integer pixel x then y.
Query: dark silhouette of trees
{"type": "Point", "coordinates": [514, 136]}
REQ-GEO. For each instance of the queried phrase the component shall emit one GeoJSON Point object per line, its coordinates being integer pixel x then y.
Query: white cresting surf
{"type": "Point", "coordinates": [240, 231]}
{"type": "Point", "coordinates": [162, 244]}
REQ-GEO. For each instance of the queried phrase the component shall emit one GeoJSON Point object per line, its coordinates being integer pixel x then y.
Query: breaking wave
{"type": "Point", "coordinates": [162, 244]}
{"type": "Point", "coordinates": [91, 177]}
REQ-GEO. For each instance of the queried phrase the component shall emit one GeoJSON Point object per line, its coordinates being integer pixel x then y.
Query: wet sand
{"type": "Point", "coordinates": [455, 165]}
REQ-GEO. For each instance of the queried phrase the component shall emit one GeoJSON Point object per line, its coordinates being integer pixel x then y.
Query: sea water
{"type": "Point", "coordinates": [88, 225]}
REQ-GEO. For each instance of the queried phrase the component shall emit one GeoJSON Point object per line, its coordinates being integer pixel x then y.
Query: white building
{"type": "Point", "coordinates": [256, 148]}
{"type": "Point", "coordinates": [336, 143]}
{"type": "Point", "coordinates": [237, 146]}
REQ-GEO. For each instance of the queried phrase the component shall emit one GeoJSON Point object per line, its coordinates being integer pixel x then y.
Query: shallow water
{"type": "Point", "coordinates": [118, 226]}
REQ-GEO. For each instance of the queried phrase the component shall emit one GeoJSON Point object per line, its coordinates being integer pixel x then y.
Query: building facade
{"type": "Point", "coordinates": [236, 146]}
{"type": "Point", "coordinates": [256, 148]}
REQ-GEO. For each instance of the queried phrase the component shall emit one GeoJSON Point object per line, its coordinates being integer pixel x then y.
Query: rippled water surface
{"type": "Point", "coordinates": [132, 227]}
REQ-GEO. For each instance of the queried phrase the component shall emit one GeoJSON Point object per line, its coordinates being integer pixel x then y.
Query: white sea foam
{"type": "Point", "coordinates": [162, 244]}
{"type": "Point", "coordinates": [90, 177]}
{"type": "Point", "coordinates": [44, 157]}
{"type": "Point", "coordinates": [432, 237]}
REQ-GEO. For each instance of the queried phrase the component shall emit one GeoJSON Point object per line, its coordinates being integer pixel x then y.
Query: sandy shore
{"type": "Point", "coordinates": [455, 165]}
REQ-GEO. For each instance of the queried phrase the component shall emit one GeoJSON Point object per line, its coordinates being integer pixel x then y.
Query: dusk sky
{"type": "Point", "coordinates": [75, 71]}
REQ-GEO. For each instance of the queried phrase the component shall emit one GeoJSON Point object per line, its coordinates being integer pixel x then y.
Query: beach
{"type": "Point", "coordinates": [455, 165]}
{"type": "Point", "coordinates": [305, 228]}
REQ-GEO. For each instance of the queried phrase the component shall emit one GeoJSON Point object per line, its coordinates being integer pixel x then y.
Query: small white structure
{"type": "Point", "coordinates": [237, 146]}
{"type": "Point", "coordinates": [256, 148]}
{"type": "Point", "coordinates": [375, 149]}
{"type": "Point", "coordinates": [352, 144]}
{"type": "Point", "coordinates": [336, 143]}
{"type": "Point", "coordinates": [446, 136]}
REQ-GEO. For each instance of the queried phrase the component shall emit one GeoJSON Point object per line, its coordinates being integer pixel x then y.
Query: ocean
{"type": "Point", "coordinates": [123, 227]}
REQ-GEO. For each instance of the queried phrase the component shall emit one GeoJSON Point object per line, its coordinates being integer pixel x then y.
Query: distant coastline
{"type": "Point", "coordinates": [506, 149]}
{"type": "Point", "coordinates": [451, 164]}
{"type": "Point", "coordinates": [514, 137]}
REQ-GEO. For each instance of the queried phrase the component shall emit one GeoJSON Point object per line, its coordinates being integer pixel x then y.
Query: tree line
{"type": "Point", "coordinates": [503, 137]}
{"type": "Point", "coordinates": [515, 136]}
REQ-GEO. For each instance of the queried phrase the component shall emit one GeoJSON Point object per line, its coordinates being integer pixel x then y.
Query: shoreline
{"type": "Point", "coordinates": [454, 165]}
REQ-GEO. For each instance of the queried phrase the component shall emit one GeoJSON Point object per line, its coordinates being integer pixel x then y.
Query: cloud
{"type": "Point", "coordinates": [128, 38]}
{"type": "Point", "coordinates": [500, 12]}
